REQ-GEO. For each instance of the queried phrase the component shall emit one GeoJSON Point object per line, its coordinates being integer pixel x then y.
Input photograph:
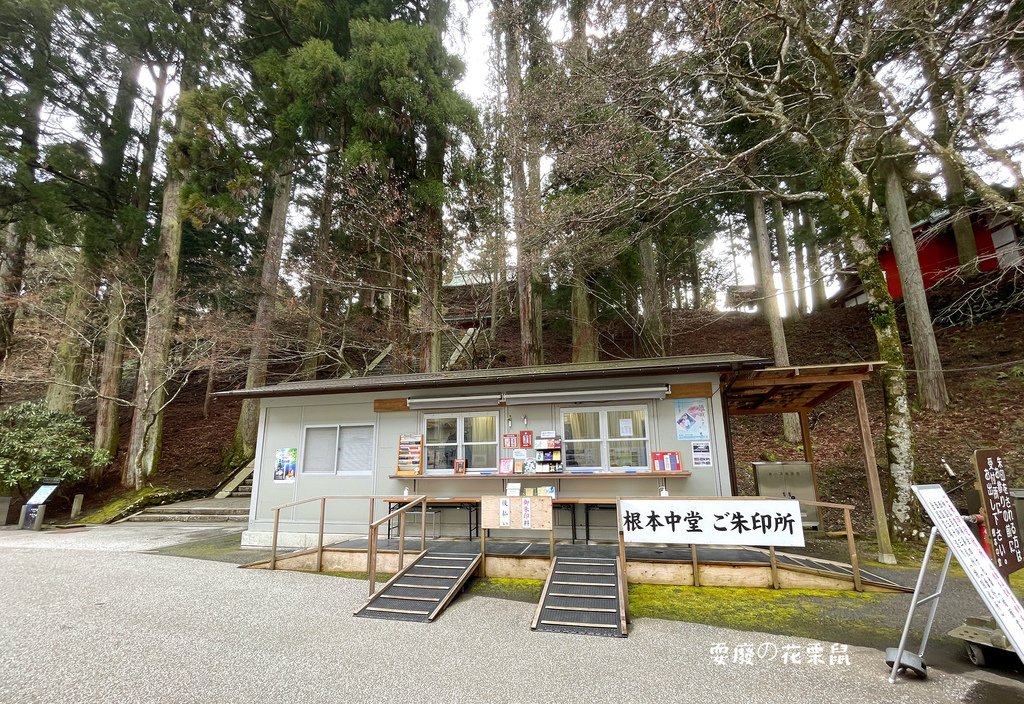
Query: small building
{"type": "Point", "coordinates": [588, 430]}
{"type": "Point", "coordinates": [996, 237]}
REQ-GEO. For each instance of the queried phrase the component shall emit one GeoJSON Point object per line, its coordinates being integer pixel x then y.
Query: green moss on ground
{"type": "Point", "coordinates": [527, 590]}
{"type": "Point", "coordinates": [848, 617]}
{"type": "Point", "coordinates": [120, 506]}
{"type": "Point", "coordinates": [364, 576]}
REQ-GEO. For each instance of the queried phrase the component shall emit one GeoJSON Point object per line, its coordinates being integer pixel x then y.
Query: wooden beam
{"type": "Point", "coordinates": [799, 380]}
{"type": "Point", "coordinates": [390, 405]}
{"type": "Point", "coordinates": [885, 553]}
{"type": "Point", "coordinates": [826, 395]}
{"type": "Point", "coordinates": [700, 390]}
{"type": "Point", "coordinates": [766, 410]}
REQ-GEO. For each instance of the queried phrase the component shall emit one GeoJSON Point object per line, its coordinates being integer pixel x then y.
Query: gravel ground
{"type": "Point", "coordinates": [88, 623]}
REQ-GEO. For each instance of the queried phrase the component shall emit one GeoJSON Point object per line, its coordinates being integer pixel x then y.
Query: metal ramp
{"type": "Point", "coordinates": [583, 595]}
{"type": "Point", "coordinates": [422, 590]}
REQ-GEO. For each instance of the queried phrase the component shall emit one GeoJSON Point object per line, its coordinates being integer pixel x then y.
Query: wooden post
{"type": "Point", "coordinates": [273, 543]}
{"type": "Point", "coordinates": [401, 541]}
{"type": "Point", "coordinates": [371, 558]}
{"type": "Point", "coordinates": [695, 563]}
{"type": "Point", "coordinates": [854, 560]}
{"type": "Point", "coordinates": [805, 432]}
{"type": "Point", "coordinates": [885, 553]}
{"type": "Point", "coordinates": [624, 571]}
{"type": "Point", "coordinates": [551, 541]}
{"type": "Point", "coordinates": [423, 524]}
{"type": "Point", "coordinates": [320, 538]}
{"type": "Point", "coordinates": [483, 550]}
{"type": "Point", "coordinates": [774, 564]}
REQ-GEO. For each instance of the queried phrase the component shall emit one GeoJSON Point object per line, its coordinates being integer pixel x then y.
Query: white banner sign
{"type": "Point", "coordinates": [527, 513]}
{"type": "Point", "coordinates": [990, 585]}
{"type": "Point", "coordinates": [763, 522]}
{"type": "Point", "coordinates": [504, 512]}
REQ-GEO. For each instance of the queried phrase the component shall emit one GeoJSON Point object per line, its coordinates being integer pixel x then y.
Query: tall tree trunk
{"type": "Point", "coordinates": [69, 357]}
{"type": "Point", "coordinates": [20, 233]}
{"type": "Point", "coordinates": [118, 132]}
{"type": "Point", "coordinates": [755, 256]}
{"type": "Point", "coordinates": [398, 315]}
{"type": "Point", "coordinates": [862, 238]}
{"type": "Point", "coordinates": [144, 190]}
{"type": "Point", "coordinates": [652, 330]}
{"type": "Point", "coordinates": [313, 357]}
{"type": "Point", "coordinates": [529, 313]}
{"type": "Point", "coordinates": [108, 403]}
{"type": "Point", "coordinates": [694, 264]}
{"type": "Point", "coordinates": [801, 272]}
{"type": "Point", "coordinates": [819, 297]}
{"type": "Point", "coordinates": [759, 226]}
{"type": "Point", "coordinates": [963, 232]}
{"type": "Point", "coordinates": [146, 436]}
{"type": "Point", "coordinates": [151, 388]}
{"type": "Point", "coordinates": [931, 386]}
{"type": "Point", "coordinates": [244, 446]}
{"type": "Point", "coordinates": [785, 261]}
{"type": "Point", "coordinates": [585, 346]}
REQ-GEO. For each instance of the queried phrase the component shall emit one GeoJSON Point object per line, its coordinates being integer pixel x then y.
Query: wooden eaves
{"type": "Point", "coordinates": [799, 390]}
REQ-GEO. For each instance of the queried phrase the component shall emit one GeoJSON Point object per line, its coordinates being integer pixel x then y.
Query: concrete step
{"type": "Point", "coordinates": [186, 518]}
{"type": "Point", "coordinates": [197, 510]}
{"type": "Point", "coordinates": [240, 494]}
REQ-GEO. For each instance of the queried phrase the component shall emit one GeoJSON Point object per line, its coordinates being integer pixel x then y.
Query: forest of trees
{"type": "Point", "coordinates": [212, 187]}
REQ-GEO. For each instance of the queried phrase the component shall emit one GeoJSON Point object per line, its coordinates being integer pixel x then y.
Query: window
{"type": "Point", "coordinates": [605, 439]}
{"type": "Point", "coordinates": [338, 449]}
{"type": "Point", "coordinates": [469, 436]}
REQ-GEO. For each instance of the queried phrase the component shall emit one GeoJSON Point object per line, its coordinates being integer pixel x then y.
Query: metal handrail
{"type": "Point", "coordinates": [374, 527]}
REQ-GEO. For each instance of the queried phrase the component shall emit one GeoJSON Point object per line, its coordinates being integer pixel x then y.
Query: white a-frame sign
{"type": "Point", "coordinates": [993, 589]}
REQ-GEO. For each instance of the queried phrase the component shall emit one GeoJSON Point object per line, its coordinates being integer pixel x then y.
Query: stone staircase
{"type": "Point", "coordinates": [243, 490]}
{"type": "Point", "coordinates": [231, 510]}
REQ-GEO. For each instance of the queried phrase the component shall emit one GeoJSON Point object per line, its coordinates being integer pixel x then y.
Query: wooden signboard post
{"type": "Point", "coordinates": [515, 513]}
{"type": "Point", "coordinates": [997, 507]}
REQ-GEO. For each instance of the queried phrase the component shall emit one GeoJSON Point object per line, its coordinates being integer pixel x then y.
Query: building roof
{"type": "Point", "coordinates": [792, 389]}
{"type": "Point", "coordinates": [726, 362]}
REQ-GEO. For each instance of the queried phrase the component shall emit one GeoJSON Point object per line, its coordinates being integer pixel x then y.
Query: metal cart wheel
{"type": "Point", "coordinates": [975, 653]}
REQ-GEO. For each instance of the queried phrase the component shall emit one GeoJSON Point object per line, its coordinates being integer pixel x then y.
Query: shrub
{"type": "Point", "coordinates": [36, 442]}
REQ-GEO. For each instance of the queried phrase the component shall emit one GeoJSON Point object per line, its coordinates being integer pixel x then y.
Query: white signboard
{"type": "Point", "coordinates": [725, 521]}
{"type": "Point", "coordinates": [504, 513]}
{"type": "Point", "coordinates": [527, 513]}
{"type": "Point", "coordinates": [990, 585]}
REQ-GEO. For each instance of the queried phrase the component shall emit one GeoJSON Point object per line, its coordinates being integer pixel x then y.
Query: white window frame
{"type": "Point", "coordinates": [460, 444]}
{"type": "Point", "coordinates": [604, 440]}
{"type": "Point", "coordinates": [338, 472]}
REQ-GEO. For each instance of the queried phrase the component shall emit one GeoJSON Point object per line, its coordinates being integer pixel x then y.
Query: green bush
{"type": "Point", "coordinates": [36, 442]}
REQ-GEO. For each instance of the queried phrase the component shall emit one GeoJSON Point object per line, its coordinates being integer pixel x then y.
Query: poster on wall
{"type": "Point", "coordinates": [284, 464]}
{"type": "Point", "coordinates": [510, 441]}
{"type": "Point", "coordinates": [666, 461]}
{"type": "Point", "coordinates": [701, 454]}
{"type": "Point", "coordinates": [692, 419]}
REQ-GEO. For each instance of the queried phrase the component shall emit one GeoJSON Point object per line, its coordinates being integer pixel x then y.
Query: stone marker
{"type": "Point", "coordinates": [76, 506]}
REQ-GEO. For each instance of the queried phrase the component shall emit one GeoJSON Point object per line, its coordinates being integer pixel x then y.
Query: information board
{"type": "Point", "coordinates": [990, 585]}
{"type": "Point", "coordinates": [764, 522]}
{"type": "Point", "coordinates": [997, 507]}
{"type": "Point", "coordinates": [515, 512]}
{"type": "Point", "coordinates": [42, 494]}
